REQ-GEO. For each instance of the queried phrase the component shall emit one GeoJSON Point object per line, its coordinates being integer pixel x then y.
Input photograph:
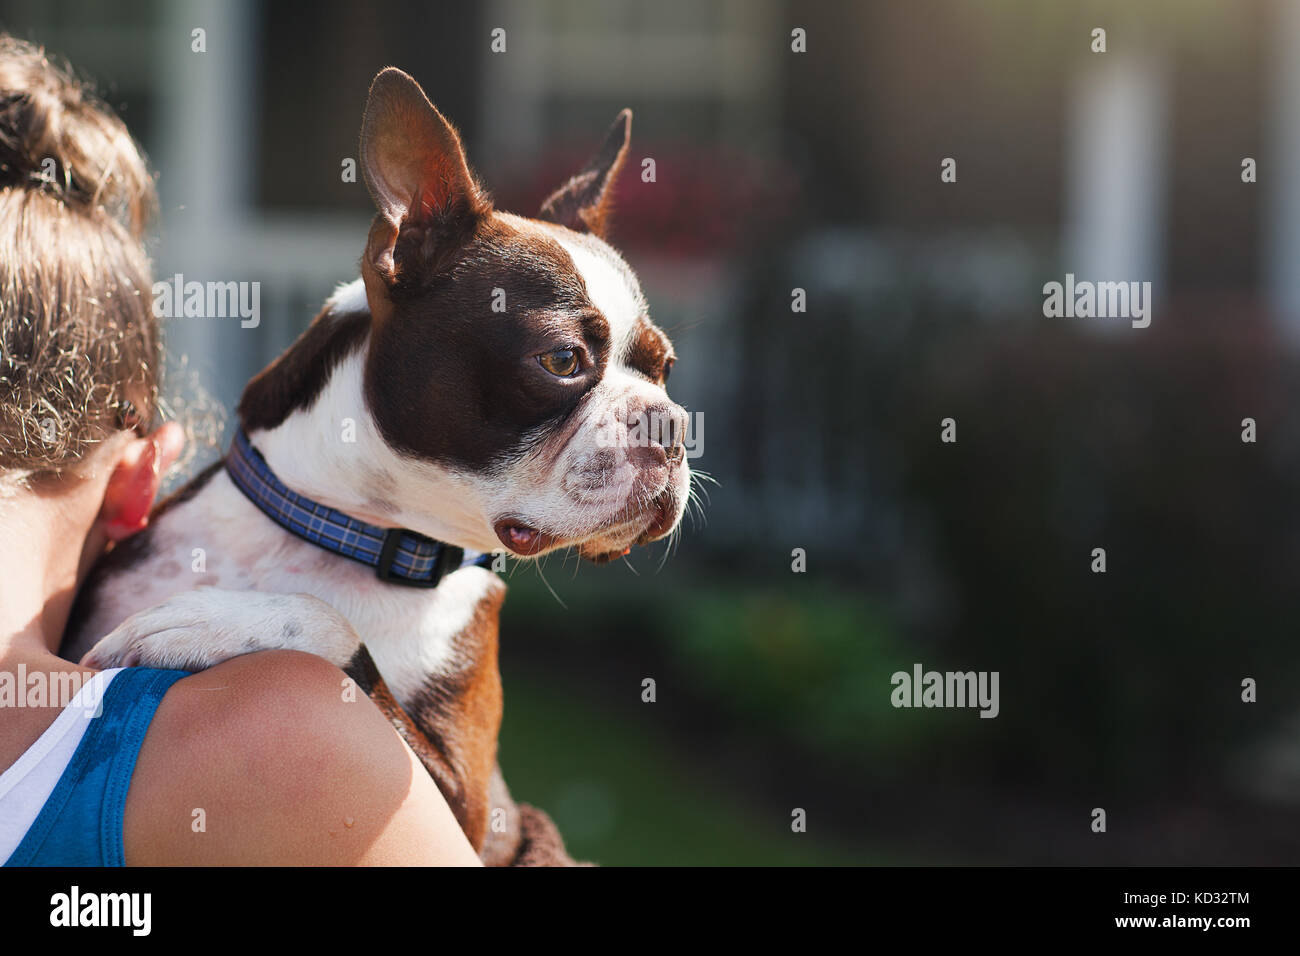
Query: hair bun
{"type": "Point", "coordinates": [55, 137]}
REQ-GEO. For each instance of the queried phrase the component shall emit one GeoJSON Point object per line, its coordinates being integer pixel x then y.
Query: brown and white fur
{"type": "Point", "coordinates": [411, 402]}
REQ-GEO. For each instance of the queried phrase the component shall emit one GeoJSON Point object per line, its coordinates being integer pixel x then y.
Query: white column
{"type": "Point", "coordinates": [1115, 172]}
{"type": "Point", "coordinates": [1279, 174]}
{"type": "Point", "coordinates": [204, 157]}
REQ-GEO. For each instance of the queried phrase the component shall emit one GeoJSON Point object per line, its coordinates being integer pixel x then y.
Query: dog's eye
{"type": "Point", "coordinates": [668, 367]}
{"type": "Point", "coordinates": [561, 363]}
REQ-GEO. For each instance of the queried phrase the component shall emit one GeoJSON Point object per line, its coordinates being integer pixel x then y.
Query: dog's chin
{"type": "Point", "coordinates": [656, 522]}
{"type": "Point", "coordinates": [613, 539]}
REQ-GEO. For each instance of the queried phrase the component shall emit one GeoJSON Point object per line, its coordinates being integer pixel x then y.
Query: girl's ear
{"type": "Point", "coordinates": [136, 478]}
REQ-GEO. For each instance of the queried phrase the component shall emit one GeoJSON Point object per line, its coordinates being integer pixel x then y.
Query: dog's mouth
{"type": "Point", "coordinates": [612, 540]}
{"type": "Point", "coordinates": [663, 511]}
{"type": "Point", "coordinates": [523, 539]}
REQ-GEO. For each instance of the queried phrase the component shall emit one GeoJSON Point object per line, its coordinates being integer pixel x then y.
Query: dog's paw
{"type": "Point", "coordinates": [196, 629]}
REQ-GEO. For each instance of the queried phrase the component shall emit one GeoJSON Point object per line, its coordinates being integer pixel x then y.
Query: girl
{"type": "Point", "coordinates": [259, 760]}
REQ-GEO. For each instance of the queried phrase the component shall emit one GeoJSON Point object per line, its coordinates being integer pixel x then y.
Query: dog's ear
{"type": "Point", "coordinates": [415, 169]}
{"type": "Point", "coordinates": [583, 202]}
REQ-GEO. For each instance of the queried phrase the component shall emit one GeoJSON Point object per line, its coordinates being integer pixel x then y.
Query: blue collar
{"type": "Point", "coordinates": [397, 555]}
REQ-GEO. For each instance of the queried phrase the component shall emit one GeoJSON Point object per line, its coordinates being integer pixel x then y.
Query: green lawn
{"type": "Point", "coordinates": [622, 795]}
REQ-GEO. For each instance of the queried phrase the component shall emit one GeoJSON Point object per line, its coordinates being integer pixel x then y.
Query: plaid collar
{"type": "Point", "coordinates": [397, 555]}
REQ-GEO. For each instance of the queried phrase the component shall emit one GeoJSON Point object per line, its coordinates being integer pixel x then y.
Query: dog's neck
{"type": "Point", "coordinates": [330, 449]}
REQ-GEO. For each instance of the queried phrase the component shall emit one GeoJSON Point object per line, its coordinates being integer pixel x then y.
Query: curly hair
{"type": "Point", "coordinates": [80, 348]}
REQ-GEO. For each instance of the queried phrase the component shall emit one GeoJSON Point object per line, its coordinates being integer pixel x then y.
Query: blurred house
{"type": "Point", "coordinates": [821, 168]}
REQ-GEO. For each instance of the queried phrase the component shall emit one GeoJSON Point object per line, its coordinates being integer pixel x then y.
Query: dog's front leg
{"type": "Point", "coordinates": [194, 630]}
{"type": "Point", "coordinates": [471, 814]}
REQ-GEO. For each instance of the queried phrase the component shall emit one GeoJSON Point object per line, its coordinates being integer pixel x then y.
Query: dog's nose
{"type": "Point", "coordinates": [666, 428]}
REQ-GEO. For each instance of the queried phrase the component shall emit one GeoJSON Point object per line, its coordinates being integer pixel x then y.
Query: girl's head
{"type": "Point", "coordinates": [79, 345]}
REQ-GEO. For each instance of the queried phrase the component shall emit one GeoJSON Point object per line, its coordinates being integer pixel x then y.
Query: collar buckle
{"type": "Point", "coordinates": [448, 559]}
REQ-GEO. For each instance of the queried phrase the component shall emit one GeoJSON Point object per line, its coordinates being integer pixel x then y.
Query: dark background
{"type": "Point", "coordinates": [820, 170]}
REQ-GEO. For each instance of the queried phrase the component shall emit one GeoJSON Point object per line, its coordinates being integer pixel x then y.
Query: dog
{"type": "Point", "coordinates": [491, 384]}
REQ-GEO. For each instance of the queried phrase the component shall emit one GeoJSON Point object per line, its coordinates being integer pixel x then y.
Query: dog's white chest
{"type": "Point", "coordinates": [219, 538]}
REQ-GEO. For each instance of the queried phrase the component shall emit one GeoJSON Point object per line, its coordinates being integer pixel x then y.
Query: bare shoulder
{"type": "Point", "coordinates": [274, 758]}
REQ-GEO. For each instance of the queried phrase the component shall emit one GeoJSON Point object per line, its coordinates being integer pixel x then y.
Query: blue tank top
{"type": "Point", "coordinates": [81, 822]}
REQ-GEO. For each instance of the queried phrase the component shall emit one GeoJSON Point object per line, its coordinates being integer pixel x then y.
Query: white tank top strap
{"type": "Point", "coordinates": [28, 783]}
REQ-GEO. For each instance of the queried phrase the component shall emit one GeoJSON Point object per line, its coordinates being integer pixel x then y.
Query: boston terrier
{"type": "Point", "coordinates": [491, 383]}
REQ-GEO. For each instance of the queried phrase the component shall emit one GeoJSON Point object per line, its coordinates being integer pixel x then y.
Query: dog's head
{"type": "Point", "coordinates": [514, 357]}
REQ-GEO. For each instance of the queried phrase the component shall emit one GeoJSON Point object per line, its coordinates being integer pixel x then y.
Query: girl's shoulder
{"type": "Point", "coordinates": [269, 758]}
